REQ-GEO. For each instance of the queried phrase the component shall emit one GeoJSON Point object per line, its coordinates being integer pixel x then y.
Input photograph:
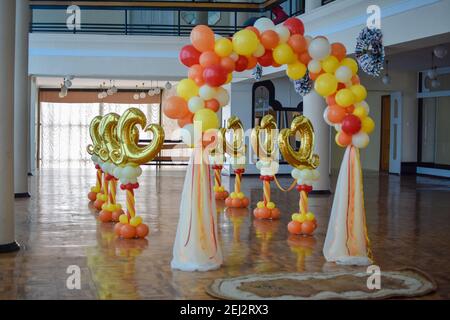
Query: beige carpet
{"type": "Point", "coordinates": [406, 283]}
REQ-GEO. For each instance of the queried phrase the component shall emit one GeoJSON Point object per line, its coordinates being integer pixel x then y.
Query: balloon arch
{"type": "Point", "coordinates": [211, 60]}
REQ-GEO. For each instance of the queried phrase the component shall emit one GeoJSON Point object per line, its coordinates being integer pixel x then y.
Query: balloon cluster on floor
{"type": "Point", "coordinates": [117, 157]}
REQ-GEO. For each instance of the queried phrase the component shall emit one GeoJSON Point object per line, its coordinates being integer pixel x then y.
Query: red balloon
{"type": "Point", "coordinates": [215, 76]}
{"type": "Point", "coordinates": [331, 101]}
{"type": "Point", "coordinates": [241, 63]}
{"type": "Point", "coordinates": [351, 124]}
{"type": "Point", "coordinates": [295, 26]}
{"type": "Point", "coordinates": [212, 104]}
{"type": "Point", "coordinates": [142, 230]}
{"type": "Point", "coordinates": [189, 55]}
{"type": "Point", "coordinates": [228, 64]}
{"type": "Point", "coordinates": [266, 59]}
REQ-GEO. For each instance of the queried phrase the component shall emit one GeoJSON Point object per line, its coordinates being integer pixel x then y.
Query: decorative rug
{"type": "Point", "coordinates": [405, 283]}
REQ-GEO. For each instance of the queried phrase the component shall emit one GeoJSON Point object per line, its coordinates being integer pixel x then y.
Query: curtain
{"type": "Point", "coordinates": [65, 130]}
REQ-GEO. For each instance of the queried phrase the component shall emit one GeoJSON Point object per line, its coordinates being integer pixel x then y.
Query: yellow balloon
{"type": "Point", "coordinates": [345, 98]}
{"type": "Point", "coordinates": [336, 139]}
{"type": "Point", "coordinates": [351, 63]}
{"type": "Point", "coordinates": [360, 112]}
{"type": "Point", "coordinates": [330, 64]}
{"type": "Point", "coordinates": [367, 125]}
{"type": "Point", "coordinates": [123, 218]}
{"type": "Point", "coordinates": [359, 91]}
{"type": "Point", "coordinates": [245, 42]}
{"type": "Point", "coordinates": [326, 84]}
{"type": "Point", "coordinates": [208, 118]}
{"type": "Point", "coordinates": [135, 221]}
{"type": "Point", "coordinates": [283, 54]}
{"type": "Point", "coordinates": [223, 47]}
{"type": "Point", "coordinates": [187, 89]}
{"type": "Point", "coordinates": [310, 216]}
{"type": "Point", "coordinates": [296, 70]}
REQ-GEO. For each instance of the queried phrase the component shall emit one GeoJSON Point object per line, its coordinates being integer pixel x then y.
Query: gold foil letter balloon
{"type": "Point", "coordinates": [237, 147]}
{"type": "Point", "coordinates": [96, 138]}
{"type": "Point", "coordinates": [266, 149]}
{"type": "Point", "coordinates": [304, 157]}
{"type": "Point", "coordinates": [130, 150]}
{"type": "Point", "coordinates": [107, 130]}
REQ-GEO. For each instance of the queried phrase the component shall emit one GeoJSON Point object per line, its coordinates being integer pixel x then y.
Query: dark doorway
{"type": "Point", "coordinates": [385, 133]}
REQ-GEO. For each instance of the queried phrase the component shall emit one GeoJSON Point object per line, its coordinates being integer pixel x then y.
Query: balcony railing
{"type": "Point", "coordinates": [119, 17]}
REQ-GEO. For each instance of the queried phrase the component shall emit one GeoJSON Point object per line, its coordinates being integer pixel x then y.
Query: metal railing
{"type": "Point", "coordinates": [55, 22]}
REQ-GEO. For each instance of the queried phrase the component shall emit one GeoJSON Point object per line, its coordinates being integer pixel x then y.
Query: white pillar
{"type": "Point", "coordinates": [7, 31]}
{"type": "Point", "coordinates": [32, 145]}
{"type": "Point", "coordinates": [313, 108]}
{"type": "Point", "coordinates": [21, 100]}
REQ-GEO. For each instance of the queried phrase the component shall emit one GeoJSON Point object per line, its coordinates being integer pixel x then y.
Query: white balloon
{"type": "Point", "coordinates": [117, 172]}
{"type": "Point", "coordinates": [343, 74]}
{"type": "Point", "coordinates": [234, 56]}
{"type": "Point", "coordinates": [187, 134]}
{"type": "Point", "coordinates": [314, 66]}
{"type": "Point", "coordinates": [259, 165]}
{"type": "Point", "coordinates": [263, 24]}
{"type": "Point", "coordinates": [283, 33]}
{"type": "Point", "coordinates": [338, 127]}
{"type": "Point", "coordinates": [260, 50]}
{"type": "Point", "coordinates": [316, 175]}
{"type": "Point", "coordinates": [195, 104]}
{"type": "Point", "coordinates": [128, 172]}
{"type": "Point", "coordinates": [207, 92]}
{"type": "Point", "coordinates": [308, 40]}
{"type": "Point", "coordinates": [222, 96]}
{"type": "Point", "coordinates": [325, 117]}
{"type": "Point", "coordinates": [319, 48]}
{"type": "Point", "coordinates": [274, 166]}
{"type": "Point", "coordinates": [138, 171]}
{"type": "Point", "coordinates": [295, 173]}
{"type": "Point", "coordinates": [360, 140]}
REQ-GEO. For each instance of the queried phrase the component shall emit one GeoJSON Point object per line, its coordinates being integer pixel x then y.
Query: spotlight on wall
{"type": "Point", "coordinates": [435, 83]}
{"type": "Point", "coordinates": [440, 52]}
{"type": "Point", "coordinates": [168, 85]}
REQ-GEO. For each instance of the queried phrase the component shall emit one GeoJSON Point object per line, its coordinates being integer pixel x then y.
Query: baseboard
{"type": "Point", "coordinates": [320, 192]}
{"type": "Point", "coordinates": [9, 247]}
{"type": "Point", "coordinates": [21, 195]}
{"type": "Point", "coordinates": [408, 168]}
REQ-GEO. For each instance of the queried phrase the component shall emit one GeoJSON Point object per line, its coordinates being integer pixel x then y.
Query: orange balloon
{"type": "Point", "coordinates": [175, 107]}
{"type": "Point", "coordinates": [227, 64]}
{"type": "Point", "coordinates": [98, 204]}
{"type": "Point", "coordinates": [269, 39]}
{"type": "Point", "coordinates": [338, 50]}
{"type": "Point", "coordinates": [245, 202]}
{"type": "Point", "coordinates": [256, 31]}
{"type": "Point", "coordinates": [105, 216]}
{"type": "Point", "coordinates": [336, 114]}
{"type": "Point", "coordinates": [117, 228]}
{"type": "Point", "coordinates": [276, 65]}
{"type": "Point", "coordinates": [252, 61]}
{"type": "Point", "coordinates": [344, 139]}
{"type": "Point", "coordinates": [350, 109]}
{"type": "Point", "coordinates": [331, 100]}
{"type": "Point", "coordinates": [276, 213]}
{"type": "Point", "coordinates": [228, 202]}
{"type": "Point", "coordinates": [236, 203]}
{"type": "Point", "coordinates": [264, 213]}
{"type": "Point", "coordinates": [295, 227]}
{"type": "Point", "coordinates": [208, 59]}
{"type": "Point", "coordinates": [314, 76]}
{"type": "Point", "coordinates": [186, 120]}
{"type": "Point", "coordinates": [355, 79]}
{"type": "Point", "coordinates": [305, 58]}
{"type": "Point", "coordinates": [307, 227]}
{"type": "Point", "coordinates": [116, 214]}
{"type": "Point", "coordinates": [256, 212]}
{"type": "Point", "coordinates": [92, 196]}
{"type": "Point", "coordinates": [195, 71]}
{"type": "Point", "coordinates": [128, 231]}
{"type": "Point", "coordinates": [202, 38]}
{"type": "Point", "coordinates": [212, 104]}
{"type": "Point", "coordinates": [142, 230]}
{"type": "Point", "coordinates": [298, 43]}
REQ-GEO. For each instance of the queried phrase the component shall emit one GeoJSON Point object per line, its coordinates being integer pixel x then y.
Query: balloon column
{"type": "Point", "coordinates": [217, 159]}
{"type": "Point", "coordinates": [303, 161]}
{"type": "Point", "coordinates": [236, 153]}
{"type": "Point", "coordinates": [267, 164]}
{"type": "Point", "coordinates": [93, 149]}
{"type": "Point", "coordinates": [111, 211]}
{"type": "Point", "coordinates": [129, 155]}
